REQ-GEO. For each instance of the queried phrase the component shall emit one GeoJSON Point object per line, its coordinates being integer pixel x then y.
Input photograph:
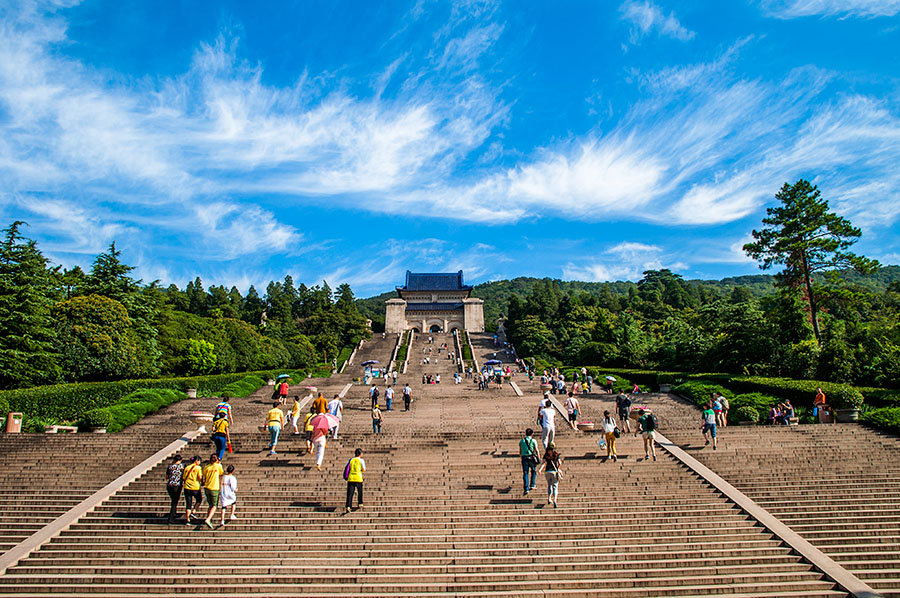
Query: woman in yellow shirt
{"type": "Point", "coordinates": [212, 475]}
{"type": "Point", "coordinates": [192, 475]}
{"type": "Point", "coordinates": [274, 422]}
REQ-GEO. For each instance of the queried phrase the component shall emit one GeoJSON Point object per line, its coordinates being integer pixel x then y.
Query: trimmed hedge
{"type": "Point", "coordinates": [700, 391]}
{"type": "Point", "coordinates": [130, 409]}
{"type": "Point", "coordinates": [802, 392]}
{"type": "Point", "coordinates": [757, 401]}
{"type": "Point", "coordinates": [244, 387]}
{"type": "Point", "coordinates": [747, 414]}
{"type": "Point", "coordinates": [886, 418]}
{"type": "Point", "coordinates": [65, 402]}
{"type": "Point", "coordinates": [343, 356]}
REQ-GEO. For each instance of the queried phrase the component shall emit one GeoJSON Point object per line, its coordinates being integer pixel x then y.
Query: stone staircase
{"type": "Point", "coordinates": [444, 515]}
{"type": "Point", "coordinates": [44, 475]}
{"type": "Point", "coordinates": [837, 486]}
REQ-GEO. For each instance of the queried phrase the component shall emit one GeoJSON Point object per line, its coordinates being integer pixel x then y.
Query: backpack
{"type": "Point", "coordinates": [347, 470]}
{"type": "Point", "coordinates": [653, 422]}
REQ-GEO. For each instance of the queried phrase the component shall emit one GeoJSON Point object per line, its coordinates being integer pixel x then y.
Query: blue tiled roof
{"type": "Point", "coordinates": [446, 281]}
{"type": "Point", "coordinates": [433, 306]}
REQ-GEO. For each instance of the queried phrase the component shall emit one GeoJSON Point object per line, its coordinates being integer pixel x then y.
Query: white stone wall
{"type": "Point", "coordinates": [474, 314]}
{"type": "Point", "coordinates": [395, 316]}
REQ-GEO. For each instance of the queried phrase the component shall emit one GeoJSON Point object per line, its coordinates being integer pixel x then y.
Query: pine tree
{"type": "Point", "coordinates": [109, 277]}
{"type": "Point", "coordinates": [26, 337]}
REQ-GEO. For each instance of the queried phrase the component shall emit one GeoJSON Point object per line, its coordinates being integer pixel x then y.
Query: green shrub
{"type": "Point", "coordinates": [37, 425]}
{"type": "Point", "coordinates": [747, 414]}
{"type": "Point", "coordinates": [699, 392]}
{"type": "Point", "coordinates": [846, 397]}
{"type": "Point", "coordinates": [4, 407]}
{"type": "Point", "coordinates": [886, 418]}
{"type": "Point", "coordinates": [759, 402]}
{"type": "Point", "coordinates": [96, 418]}
{"type": "Point", "coordinates": [70, 401]}
{"type": "Point", "coordinates": [245, 387]}
{"type": "Point", "coordinates": [802, 392]}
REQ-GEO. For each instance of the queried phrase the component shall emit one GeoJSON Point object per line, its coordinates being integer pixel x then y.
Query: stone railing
{"type": "Point", "coordinates": [409, 343]}
{"type": "Point", "coordinates": [394, 352]}
{"type": "Point", "coordinates": [352, 356]}
{"type": "Point", "coordinates": [457, 347]}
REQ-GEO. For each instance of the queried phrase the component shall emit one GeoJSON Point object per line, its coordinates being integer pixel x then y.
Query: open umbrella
{"type": "Point", "coordinates": [636, 411]}
{"type": "Point", "coordinates": [492, 362]}
{"type": "Point", "coordinates": [369, 362]}
{"type": "Point", "coordinates": [611, 379]}
{"type": "Point", "coordinates": [280, 376]}
{"type": "Point", "coordinates": [323, 421]}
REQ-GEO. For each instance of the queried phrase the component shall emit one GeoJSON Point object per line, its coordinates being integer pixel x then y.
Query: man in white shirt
{"type": "Point", "coordinates": [336, 408]}
{"type": "Point", "coordinates": [389, 396]}
{"type": "Point", "coordinates": [548, 425]}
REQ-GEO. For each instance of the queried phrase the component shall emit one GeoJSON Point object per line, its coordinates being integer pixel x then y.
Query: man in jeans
{"type": "Point", "coordinates": [528, 451]}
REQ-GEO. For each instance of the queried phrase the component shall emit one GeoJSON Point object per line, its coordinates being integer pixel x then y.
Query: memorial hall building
{"type": "Point", "coordinates": [434, 303]}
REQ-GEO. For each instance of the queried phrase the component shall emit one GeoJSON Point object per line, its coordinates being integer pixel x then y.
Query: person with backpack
{"type": "Point", "coordinates": [610, 430]}
{"type": "Point", "coordinates": [373, 395]}
{"type": "Point", "coordinates": [647, 424]}
{"type": "Point", "coordinates": [528, 451]}
{"type": "Point", "coordinates": [723, 414]}
{"type": "Point", "coordinates": [407, 397]}
{"type": "Point", "coordinates": [550, 467]}
{"type": "Point", "coordinates": [174, 485]}
{"type": "Point", "coordinates": [192, 476]}
{"type": "Point", "coordinates": [353, 473]}
{"type": "Point", "coordinates": [708, 428]}
{"type": "Point", "coordinates": [623, 406]}
{"type": "Point", "coordinates": [220, 435]}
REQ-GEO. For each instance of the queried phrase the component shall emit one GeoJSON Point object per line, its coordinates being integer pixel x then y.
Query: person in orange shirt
{"type": "Point", "coordinates": [822, 406]}
{"type": "Point", "coordinates": [320, 405]}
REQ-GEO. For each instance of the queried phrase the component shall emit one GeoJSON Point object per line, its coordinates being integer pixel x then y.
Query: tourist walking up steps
{"type": "Point", "coordinates": [572, 409]}
{"type": "Point", "coordinates": [407, 397]}
{"type": "Point", "coordinates": [353, 473]}
{"type": "Point", "coordinates": [550, 467]}
{"type": "Point", "coordinates": [319, 441]}
{"type": "Point", "coordinates": [320, 405]}
{"type": "Point", "coordinates": [336, 408]}
{"type": "Point", "coordinates": [623, 406]}
{"type": "Point", "coordinates": [528, 451]}
{"type": "Point", "coordinates": [174, 485]}
{"type": "Point", "coordinates": [295, 416]}
{"type": "Point", "coordinates": [389, 396]}
{"type": "Point", "coordinates": [708, 427]}
{"type": "Point", "coordinates": [220, 435]}
{"type": "Point", "coordinates": [274, 422]}
{"type": "Point", "coordinates": [647, 427]}
{"type": "Point", "coordinates": [212, 483]}
{"type": "Point", "coordinates": [228, 495]}
{"type": "Point", "coordinates": [548, 424]}
{"type": "Point", "coordinates": [373, 394]}
{"type": "Point", "coordinates": [609, 430]}
{"type": "Point", "coordinates": [193, 497]}
{"type": "Point", "coordinates": [224, 407]}
{"type": "Point", "coordinates": [377, 419]}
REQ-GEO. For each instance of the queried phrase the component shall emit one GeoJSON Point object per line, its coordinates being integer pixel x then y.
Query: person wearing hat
{"type": "Point", "coordinates": [550, 466]}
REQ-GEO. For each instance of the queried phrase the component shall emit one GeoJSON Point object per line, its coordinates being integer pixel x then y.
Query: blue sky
{"type": "Point", "coordinates": [350, 141]}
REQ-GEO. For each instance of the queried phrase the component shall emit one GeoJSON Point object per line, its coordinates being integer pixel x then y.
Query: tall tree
{"type": "Point", "coordinates": [109, 276]}
{"type": "Point", "coordinates": [26, 337]}
{"type": "Point", "coordinates": [804, 236]}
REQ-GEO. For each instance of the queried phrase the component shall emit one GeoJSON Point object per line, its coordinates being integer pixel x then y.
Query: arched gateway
{"type": "Point", "coordinates": [434, 302]}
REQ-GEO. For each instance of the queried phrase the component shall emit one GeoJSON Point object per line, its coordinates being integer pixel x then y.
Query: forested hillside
{"type": "Point", "coordinates": [60, 325]}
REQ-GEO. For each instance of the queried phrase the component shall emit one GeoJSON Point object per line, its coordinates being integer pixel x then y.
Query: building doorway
{"type": "Point", "coordinates": [434, 328]}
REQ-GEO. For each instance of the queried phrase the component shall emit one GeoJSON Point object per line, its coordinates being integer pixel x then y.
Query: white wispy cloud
{"type": "Point", "coordinates": [646, 18]}
{"type": "Point", "coordinates": [791, 9]}
{"type": "Point", "coordinates": [625, 261]}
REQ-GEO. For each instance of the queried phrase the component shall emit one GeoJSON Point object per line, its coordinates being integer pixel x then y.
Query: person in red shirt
{"type": "Point", "coordinates": [283, 392]}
